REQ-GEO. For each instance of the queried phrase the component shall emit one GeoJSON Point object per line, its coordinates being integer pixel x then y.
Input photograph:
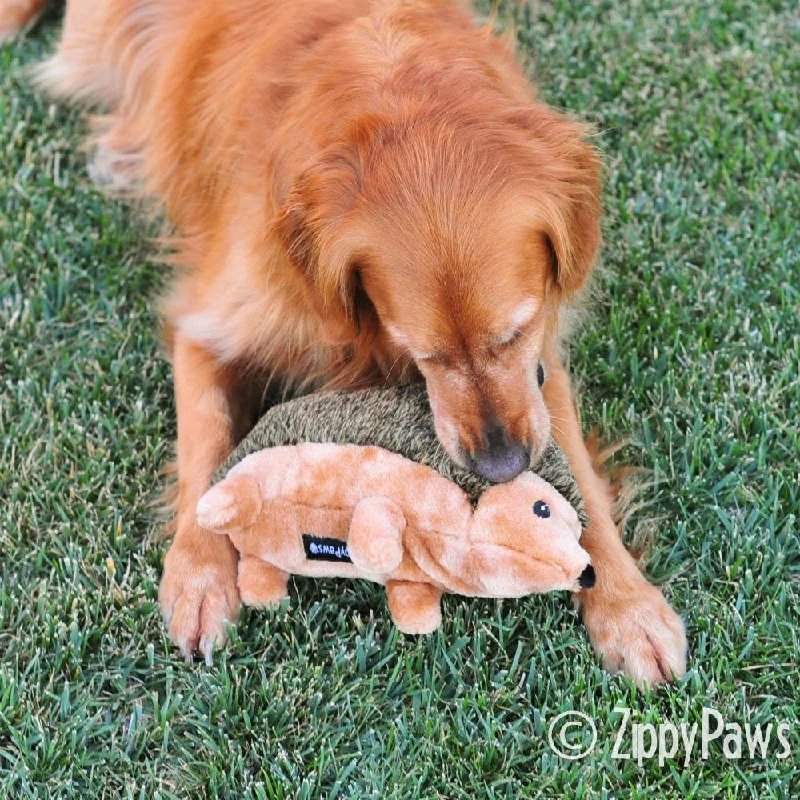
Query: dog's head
{"type": "Point", "coordinates": [454, 247]}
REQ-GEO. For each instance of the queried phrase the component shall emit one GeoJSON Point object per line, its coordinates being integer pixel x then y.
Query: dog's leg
{"type": "Point", "coordinates": [198, 591]}
{"type": "Point", "coordinates": [15, 15]}
{"type": "Point", "coordinates": [631, 625]}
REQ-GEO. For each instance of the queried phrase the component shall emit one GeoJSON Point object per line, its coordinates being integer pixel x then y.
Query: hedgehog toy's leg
{"type": "Point", "coordinates": [415, 607]}
{"type": "Point", "coordinates": [261, 584]}
{"type": "Point", "coordinates": [375, 538]}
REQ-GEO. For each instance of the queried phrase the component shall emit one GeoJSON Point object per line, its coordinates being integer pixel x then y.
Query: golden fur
{"type": "Point", "coordinates": [363, 190]}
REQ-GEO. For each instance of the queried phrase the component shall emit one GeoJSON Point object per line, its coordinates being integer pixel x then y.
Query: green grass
{"type": "Point", "coordinates": [693, 351]}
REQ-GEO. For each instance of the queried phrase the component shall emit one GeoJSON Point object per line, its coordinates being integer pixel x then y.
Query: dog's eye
{"type": "Point", "coordinates": [540, 374]}
{"type": "Point", "coordinates": [502, 344]}
{"type": "Point", "coordinates": [514, 338]}
{"type": "Point", "coordinates": [541, 509]}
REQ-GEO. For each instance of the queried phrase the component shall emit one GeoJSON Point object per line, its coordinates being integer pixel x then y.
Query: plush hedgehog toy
{"type": "Point", "coordinates": [356, 485]}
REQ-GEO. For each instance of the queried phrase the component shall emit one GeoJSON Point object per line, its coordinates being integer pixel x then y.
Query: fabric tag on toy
{"type": "Point", "coordinates": [323, 548]}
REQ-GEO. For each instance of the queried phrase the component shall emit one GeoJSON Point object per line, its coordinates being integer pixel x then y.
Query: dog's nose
{"type": "Point", "coordinates": [500, 459]}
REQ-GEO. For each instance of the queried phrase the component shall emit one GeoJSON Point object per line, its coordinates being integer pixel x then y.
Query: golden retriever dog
{"type": "Point", "coordinates": [362, 191]}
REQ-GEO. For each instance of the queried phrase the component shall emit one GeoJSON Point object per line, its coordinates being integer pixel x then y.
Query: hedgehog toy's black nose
{"type": "Point", "coordinates": [587, 578]}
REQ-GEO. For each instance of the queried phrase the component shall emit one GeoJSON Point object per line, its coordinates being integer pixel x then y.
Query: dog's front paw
{"type": "Point", "coordinates": [199, 596]}
{"type": "Point", "coordinates": [636, 633]}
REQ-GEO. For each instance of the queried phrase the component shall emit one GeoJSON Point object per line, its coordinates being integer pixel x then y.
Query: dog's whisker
{"type": "Point", "coordinates": [394, 364]}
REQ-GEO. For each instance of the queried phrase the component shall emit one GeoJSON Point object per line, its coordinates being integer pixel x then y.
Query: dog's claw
{"type": "Point", "coordinates": [207, 649]}
{"type": "Point", "coordinates": [198, 600]}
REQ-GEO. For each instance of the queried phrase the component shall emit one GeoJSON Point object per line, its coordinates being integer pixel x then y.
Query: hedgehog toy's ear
{"type": "Point", "coordinates": [230, 505]}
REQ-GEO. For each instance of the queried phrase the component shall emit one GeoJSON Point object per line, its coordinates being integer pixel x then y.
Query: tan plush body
{"type": "Point", "coordinates": [404, 526]}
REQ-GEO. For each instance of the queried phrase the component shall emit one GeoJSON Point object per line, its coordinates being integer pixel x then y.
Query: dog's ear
{"type": "Point", "coordinates": [312, 226]}
{"type": "Point", "coordinates": [574, 229]}
{"type": "Point", "coordinates": [567, 169]}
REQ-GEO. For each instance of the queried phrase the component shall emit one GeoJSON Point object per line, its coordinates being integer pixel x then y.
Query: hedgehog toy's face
{"type": "Point", "coordinates": [524, 538]}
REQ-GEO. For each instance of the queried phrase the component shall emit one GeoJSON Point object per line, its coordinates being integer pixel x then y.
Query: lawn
{"type": "Point", "coordinates": [691, 351]}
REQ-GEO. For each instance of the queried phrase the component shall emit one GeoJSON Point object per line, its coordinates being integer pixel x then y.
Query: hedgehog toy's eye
{"type": "Point", "coordinates": [541, 509]}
